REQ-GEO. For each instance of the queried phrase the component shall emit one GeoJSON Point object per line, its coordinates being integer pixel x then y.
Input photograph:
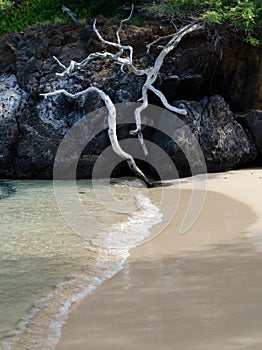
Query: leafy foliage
{"type": "Point", "coordinates": [245, 15]}
{"type": "Point", "coordinates": [28, 13]}
{"type": "Point", "coordinates": [5, 4]}
{"type": "Point", "coordinates": [242, 14]}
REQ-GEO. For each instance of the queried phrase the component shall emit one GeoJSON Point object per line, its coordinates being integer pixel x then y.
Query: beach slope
{"type": "Point", "coordinates": [196, 290]}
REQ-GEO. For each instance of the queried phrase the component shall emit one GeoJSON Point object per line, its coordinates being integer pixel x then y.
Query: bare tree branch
{"type": "Point", "coordinates": [122, 48]}
{"type": "Point", "coordinates": [70, 13]}
{"type": "Point", "coordinates": [121, 24]}
{"type": "Point", "coordinates": [111, 124]}
{"type": "Point", "coordinates": [164, 101]}
{"type": "Point", "coordinates": [148, 46]}
{"type": "Point", "coordinates": [151, 74]}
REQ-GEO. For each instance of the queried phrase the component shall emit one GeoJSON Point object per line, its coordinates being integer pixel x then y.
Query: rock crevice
{"type": "Point", "coordinates": [220, 90]}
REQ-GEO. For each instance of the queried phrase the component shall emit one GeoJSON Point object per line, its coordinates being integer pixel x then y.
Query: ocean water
{"type": "Point", "coordinates": [46, 265]}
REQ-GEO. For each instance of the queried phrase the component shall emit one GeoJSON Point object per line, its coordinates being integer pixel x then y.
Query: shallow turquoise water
{"type": "Point", "coordinates": [45, 265]}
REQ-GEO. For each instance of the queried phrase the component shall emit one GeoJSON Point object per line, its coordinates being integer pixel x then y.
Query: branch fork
{"type": "Point", "coordinates": [151, 74]}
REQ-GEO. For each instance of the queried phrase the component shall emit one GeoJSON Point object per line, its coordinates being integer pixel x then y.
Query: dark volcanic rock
{"type": "Point", "coordinates": [252, 120]}
{"type": "Point", "coordinates": [11, 99]}
{"type": "Point", "coordinates": [31, 128]}
{"type": "Point", "coordinates": [223, 141]}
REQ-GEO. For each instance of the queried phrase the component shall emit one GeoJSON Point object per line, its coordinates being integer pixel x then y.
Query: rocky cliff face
{"type": "Point", "coordinates": [32, 128]}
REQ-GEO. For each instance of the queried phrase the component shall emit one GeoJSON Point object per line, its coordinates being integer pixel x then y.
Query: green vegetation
{"type": "Point", "coordinates": [18, 16]}
{"type": "Point", "coordinates": [5, 4]}
{"type": "Point", "coordinates": [243, 15]}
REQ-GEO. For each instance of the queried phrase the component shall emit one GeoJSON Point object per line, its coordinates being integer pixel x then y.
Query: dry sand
{"type": "Point", "coordinates": [198, 290]}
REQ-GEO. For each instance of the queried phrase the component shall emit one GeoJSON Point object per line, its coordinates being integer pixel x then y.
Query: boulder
{"type": "Point", "coordinates": [31, 128]}
{"type": "Point", "coordinates": [223, 141]}
{"type": "Point", "coordinates": [11, 100]}
{"type": "Point", "coordinates": [252, 120]}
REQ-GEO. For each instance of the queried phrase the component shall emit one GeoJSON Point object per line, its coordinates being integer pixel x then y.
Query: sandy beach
{"type": "Point", "coordinates": [200, 289]}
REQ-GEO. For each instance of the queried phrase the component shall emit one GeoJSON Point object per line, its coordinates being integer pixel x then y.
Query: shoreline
{"type": "Point", "coordinates": [179, 284]}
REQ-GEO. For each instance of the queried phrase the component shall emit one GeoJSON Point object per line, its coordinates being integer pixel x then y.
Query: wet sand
{"type": "Point", "coordinates": [196, 290]}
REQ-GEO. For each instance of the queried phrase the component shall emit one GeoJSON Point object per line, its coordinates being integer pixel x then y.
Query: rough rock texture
{"type": "Point", "coordinates": [206, 65]}
{"type": "Point", "coordinates": [32, 128]}
{"type": "Point", "coordinates": [252, 121]}
{"type": "Point", "coordinates": [222, 139]}
{"type": "Point", "coordinates": [11, 101]}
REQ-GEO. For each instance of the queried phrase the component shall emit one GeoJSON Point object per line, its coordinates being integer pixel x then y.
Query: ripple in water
{"type": "Point", "coordinates": [45, 266]}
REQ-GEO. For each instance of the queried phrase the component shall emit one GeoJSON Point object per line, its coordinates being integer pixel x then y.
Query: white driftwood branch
{"type": "Point", "coordinates": [122, 48]}
{"type": "Point", "coordinates": [164, 101]}
{"type": "Point", "coordinates": [70, 13]}
{"type": "Point", "coordinates": [151, 74]}
{"type": "Point", "coordinates": [73, 64]}
{"type": "Point", "coordinates": [111, 124]}
{"type": "Point", "coordinates": [59, 62]}
{"type": "Point", "coordinates": [148, 46]}
{"type": "Point", "coordinates": [121, 24]}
